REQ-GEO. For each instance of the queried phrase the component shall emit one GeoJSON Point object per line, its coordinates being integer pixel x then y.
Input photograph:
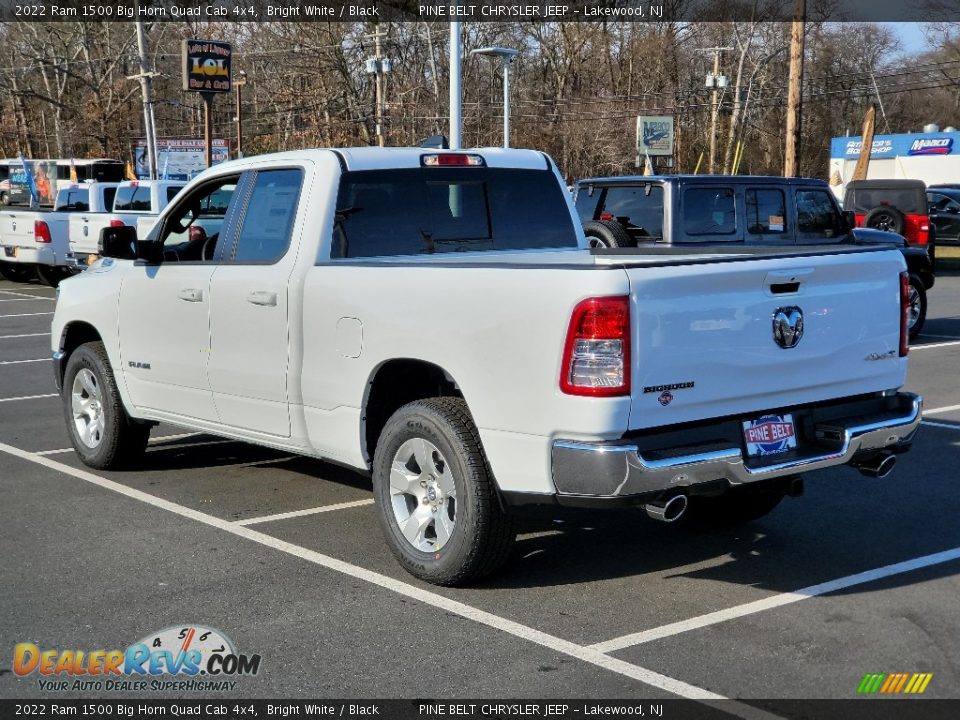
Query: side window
{"type": "Point", "coordinates": [108, 197]}
{"type": "Point", "coordinates": [638, 209]}
{"type": "Point", "coordinates": [586, 202]}
{"type": "Point", "coordinates": [172, 193]}
{"type": "Point", "coordinates": [268, 220]}
{"type": "Point", "coordinates": [816, 214]}
{"type": "Point", "coordinates": [766, 211]}
{"type": "Point", "coordinates": [192, 229]}
{"type": "Point", "coordinates": [709, 211]}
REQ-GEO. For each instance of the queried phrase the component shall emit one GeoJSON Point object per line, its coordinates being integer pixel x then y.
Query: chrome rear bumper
{"type": "Point", "coordinates": [620, 468]}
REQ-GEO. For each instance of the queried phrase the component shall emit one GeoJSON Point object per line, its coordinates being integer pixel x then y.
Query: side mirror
{"type": "Point", "coordinates": [119, 243]}
{"type": "Point", "coordinates": [850, 218]}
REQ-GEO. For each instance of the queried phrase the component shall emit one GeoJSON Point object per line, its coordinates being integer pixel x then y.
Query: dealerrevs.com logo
{"type": "Point", "coordinates": [197, 657]}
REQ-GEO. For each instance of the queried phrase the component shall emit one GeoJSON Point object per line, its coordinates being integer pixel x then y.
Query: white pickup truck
{"type": "Point", "coordinates": [136, 203]}
{"type": "Point", "coordinates": [37, 241]}
{"type": "Point", "coordinates": [436, 318]}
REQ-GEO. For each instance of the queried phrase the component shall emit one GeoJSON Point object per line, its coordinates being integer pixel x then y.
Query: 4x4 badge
{"type": "Point", "coordinates": [788, 326]}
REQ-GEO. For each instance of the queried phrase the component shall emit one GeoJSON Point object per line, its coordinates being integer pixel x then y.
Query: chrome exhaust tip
{"type": "Point", "coordinates": [668, 510]}
{"type": "Point", "coordinates": [879, 466]}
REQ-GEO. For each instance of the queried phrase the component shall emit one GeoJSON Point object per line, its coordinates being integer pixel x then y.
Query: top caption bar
{"type": "Point", "coordinates": [644, 11]}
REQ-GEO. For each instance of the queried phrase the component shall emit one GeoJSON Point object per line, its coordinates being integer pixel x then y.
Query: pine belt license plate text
{"type": "Point", "coordinates": [769, 435]}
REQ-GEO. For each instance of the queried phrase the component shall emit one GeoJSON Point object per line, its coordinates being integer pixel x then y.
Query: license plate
{"type": "Point", "coordinates": [769, 435]}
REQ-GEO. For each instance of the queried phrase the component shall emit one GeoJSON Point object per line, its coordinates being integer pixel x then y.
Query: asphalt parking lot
{"type": "Point", "coordinates": [284, 555]}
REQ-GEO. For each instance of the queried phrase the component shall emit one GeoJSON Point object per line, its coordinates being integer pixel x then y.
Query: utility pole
{"type": "Point", "coordinates": [455, 86]}
{"type": "Point", "coordinates": [379, 66]}
{"type": "Point", "coordinates": [716, 81]}
{"type": "Point", "coordinates": [791, 163]}
{"type": "Point", "coordinates": [146, 88]}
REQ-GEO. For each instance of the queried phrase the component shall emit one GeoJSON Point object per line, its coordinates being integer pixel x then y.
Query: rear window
{"type": "Point", "coordinates": [709, 211]}
{"type": "Point", "coordinates": [132, 198]}
{"type": "Point", "coordinates": [423, 211]}
{"type": "Point", "coordinates": [73, 200]}
{"type": "Point", "coordinates": [638, 208]}
{"type": "Point", "coordinates": [911, 201]}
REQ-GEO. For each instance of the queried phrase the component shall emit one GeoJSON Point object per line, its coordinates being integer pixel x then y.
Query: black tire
{"type": "Point", "coordinates": [482, 533]}
{"type": "Point", "coordinates": [918, 310]}
{"type": "Point", "coordinates": [51, 275]}
{"type": "Point", "coordinates": [607, 233]}
{"type": "Point", "coordinates": [17, 273]}
{"type": "Point", "coordinates": [736, 506]}
{"type": "Point", "coordinates": [121, 441]}
{"type": "Point", "coordinates": [885, 218]}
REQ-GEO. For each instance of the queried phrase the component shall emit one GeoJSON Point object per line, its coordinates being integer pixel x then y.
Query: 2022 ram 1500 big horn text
{"type": "Point", "coordinates": [437, 319]}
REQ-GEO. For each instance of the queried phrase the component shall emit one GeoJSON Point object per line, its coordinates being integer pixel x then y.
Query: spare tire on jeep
{"type": "Point", "coordinates": [885, 217]}
{"type": "Point", "coordinates": [607, 234]}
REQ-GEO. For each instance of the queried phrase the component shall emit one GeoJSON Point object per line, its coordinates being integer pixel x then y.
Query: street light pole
{"type": "Point", "coordinates": [455, 86]}
{"type": "Point", "coordinates": [238, 84]}
{"type": "Point", "coordinates": [506, 56]}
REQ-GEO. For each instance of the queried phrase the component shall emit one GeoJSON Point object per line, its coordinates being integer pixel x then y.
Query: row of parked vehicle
{"type": "Point", "coordinates": [718, 211]}
{"type": "Point", "coordinates": [57, 242]}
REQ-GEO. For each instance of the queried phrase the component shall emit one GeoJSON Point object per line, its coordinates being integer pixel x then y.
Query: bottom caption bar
{"type": "Point", "coordinates": [852, 709]}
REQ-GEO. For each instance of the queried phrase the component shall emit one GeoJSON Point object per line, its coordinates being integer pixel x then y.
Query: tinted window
{"type": "Point", "coordinates": [172, 193]}
{"type": "Point", "coordinates": [108, 197]}
{"type": "Point", "coordinates": [265, 232]}
{"type": "Point", "coordinates": [766, 211]}
{"type": "Point", "coordinates": [906, 200]}
{"type": "Point", "coordinates": [638, 209]}
{"type": "Point", "coordinates": [132, 198]}
{"type": "Point", "coordinates": [587, 202]}
{"type": "Point", "coordinates": [105, 171]}
{"type": "Point", "coordinates": [816, 213]}
{"type": "Point", "coordinates": [709, 211]}
{"type": "Point", "coordinates": [438, 210]}
{"type": "Point", "coordinates": [74, 200]}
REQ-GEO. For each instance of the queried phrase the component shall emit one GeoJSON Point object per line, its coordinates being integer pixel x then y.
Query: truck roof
{"type": "Point", "coordinates": [377, 158]}
{"type": "Point", "coordinates": [705, 180]}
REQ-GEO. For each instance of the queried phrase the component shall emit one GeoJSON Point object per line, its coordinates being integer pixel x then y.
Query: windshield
{"type": "Point", "coordinates": [440, 210]}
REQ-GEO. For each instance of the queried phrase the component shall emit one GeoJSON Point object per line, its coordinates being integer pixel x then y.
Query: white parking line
{"type": "Point", "coordinates": [26, 295]}
{"type": "Point", "coordinates": [24, 335]}
{"type": "Point", "coordinates": [60, 451]}
{"type": "Point", "coordinates": [29, 397]}
{"type": "Point", "coordinates": [774, 601]}
{"type": "Point", "coordinates": [20, 362]}
{"type": "Point", "coordinates": [948, 426]}
{"type": "Point", "coordinates": [26, 315]}
{"type": "Point", "coordinates": [934, 345]}
{"type": "Point", "coordinates": [23, 299]}
{"type": "Point", "coordinates": [940, 410]}
{"type": "Point", "coordinates": [301, 513]}
{"type": "Point", "coordinates": [431, 599]}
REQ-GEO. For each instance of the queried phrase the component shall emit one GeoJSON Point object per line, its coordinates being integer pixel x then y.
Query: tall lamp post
{"type": "Point", "coordinates": [506, 56]}
{"type": "Point", "coordinates": [238, 84]}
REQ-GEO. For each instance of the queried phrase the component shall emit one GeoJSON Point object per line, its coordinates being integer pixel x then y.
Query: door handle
{"type": "Point", "coordinates": [190, 295]}
{"type": "Point", "coordinates": [262, 297]}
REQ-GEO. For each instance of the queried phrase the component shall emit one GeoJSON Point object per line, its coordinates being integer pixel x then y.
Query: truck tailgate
{"type": "Point", "coordinates": [705, 344]}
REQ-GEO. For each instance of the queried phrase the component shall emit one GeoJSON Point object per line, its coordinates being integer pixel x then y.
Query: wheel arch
{"type": "Point", "coordinates": [393, 384]}
{"type": "Point", "coordinates": [73, 335]}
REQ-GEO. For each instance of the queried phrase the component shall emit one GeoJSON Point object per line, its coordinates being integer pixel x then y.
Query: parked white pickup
{"type": "Point", "coordinates": [436, 318]}
{"type": "Point", "coordinates": [136, 203]}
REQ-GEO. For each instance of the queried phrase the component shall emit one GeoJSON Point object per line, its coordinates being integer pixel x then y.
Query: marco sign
{"type": "Point", "coordinates": [206, 66]}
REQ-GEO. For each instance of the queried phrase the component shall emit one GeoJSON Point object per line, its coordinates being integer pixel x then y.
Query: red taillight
{"type": "Point", "coordinates": [41, 232]}
{"type": "Point", "coordinates": [904, 313]}
{"type": "Point", "coordinates": [596, 354]}
{"type": "Point", "coordinates": [606, 216]}
{"type": "Point", "coordinates": [117, 223]}
{"type": "Point", "coordinates": [197, 233]}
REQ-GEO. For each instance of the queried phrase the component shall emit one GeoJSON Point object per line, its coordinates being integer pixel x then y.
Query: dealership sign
{"type": "Point", "coordinates": [931, 146]}
{"type": "Point", "coordinates": [206, 66]}
{"type": "Point", "coordinates": [655, 135]}
{"type": "Point", "coordinates": [900, 145]}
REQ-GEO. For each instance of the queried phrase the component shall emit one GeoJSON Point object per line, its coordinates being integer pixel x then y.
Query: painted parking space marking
{"type": "Point", "coordinates": [28, 397]}
{"type": "Point", "coordinates": [61, 451]}
{"type": "Point", "coordinates": [934, 345]}
{"type": "Point", "coordinates": [775, 601]}
{"type": "Point", "coordinates": [26, 295]}
{"type": "Point", "coordinates": [23, 335]}
{"type": "Point", "coordinates": [935, 424]}
{"type": "Point", "coordinates": [302, 513]}
{"type": "Point", "coordinates": [20, 362]}
{"type": "Point", "coordinates": [940, 410]}
{"type": "Point", "coordinates": [26, 314]}
{"type": "Point", "coordinates": [23, 299]}
{"type": "Point", "coordinates": [551, 642]}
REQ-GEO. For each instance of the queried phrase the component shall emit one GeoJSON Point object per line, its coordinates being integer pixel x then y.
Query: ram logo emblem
{"type": "Point", "coordinates": [787, 326]}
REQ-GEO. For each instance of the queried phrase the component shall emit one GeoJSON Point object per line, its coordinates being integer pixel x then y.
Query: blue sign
{"type": "Point", "coordinates": [902, 145]}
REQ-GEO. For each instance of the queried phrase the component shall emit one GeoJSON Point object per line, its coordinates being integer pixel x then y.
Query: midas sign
{"type": "Point", "coordinates": [206, 66]}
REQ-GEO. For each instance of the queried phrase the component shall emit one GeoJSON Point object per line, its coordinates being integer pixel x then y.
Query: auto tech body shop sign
{"type": "Point", "coordinates": [931, 157]}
